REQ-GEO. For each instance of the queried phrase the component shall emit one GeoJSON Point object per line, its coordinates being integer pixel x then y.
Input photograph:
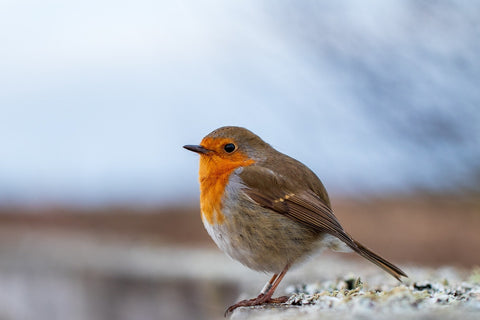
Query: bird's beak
{"type": "Point", "coordinates": [197, 149]}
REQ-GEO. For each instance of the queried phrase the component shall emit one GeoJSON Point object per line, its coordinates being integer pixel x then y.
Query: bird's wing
{"type": "Point", "coordinates": [303, 205]}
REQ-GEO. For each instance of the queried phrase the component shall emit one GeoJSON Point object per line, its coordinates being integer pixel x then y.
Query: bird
{"type": "Point", "coordinates": [267, 210]}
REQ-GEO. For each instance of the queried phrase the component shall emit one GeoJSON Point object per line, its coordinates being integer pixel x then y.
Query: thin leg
{"type": "Point", "coordinates": [269, 293]}
{"type": "Point", "coordinates": [265, 295]}
{"type": "Point", "coordinates": [269, 284]}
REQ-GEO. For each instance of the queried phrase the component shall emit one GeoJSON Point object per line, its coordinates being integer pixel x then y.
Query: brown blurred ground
{"type": "Point", "coordinates": [427, 230]}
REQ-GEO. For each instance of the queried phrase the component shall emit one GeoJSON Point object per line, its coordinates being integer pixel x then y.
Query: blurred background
{"type": "Point", "coordinates": [99, 214]}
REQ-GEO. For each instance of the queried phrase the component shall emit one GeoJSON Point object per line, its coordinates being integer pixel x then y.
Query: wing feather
{"type": "Point", "coordinates": [301, 205]}
{"type": "Point", "coordinates": [305, 206]}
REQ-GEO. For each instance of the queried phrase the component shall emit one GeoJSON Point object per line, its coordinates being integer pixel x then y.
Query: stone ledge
{"type": "Point", "coordinates": [350, 298]}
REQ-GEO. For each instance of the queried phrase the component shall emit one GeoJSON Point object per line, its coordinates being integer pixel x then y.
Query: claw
{"type": "Point", "coordinates": [260, 300]}
{"type": "Point", "coordinates": [265, 296]}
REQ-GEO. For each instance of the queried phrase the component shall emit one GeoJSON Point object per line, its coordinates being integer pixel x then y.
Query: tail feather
{"type": "Point", "coordinates": [379, 261]}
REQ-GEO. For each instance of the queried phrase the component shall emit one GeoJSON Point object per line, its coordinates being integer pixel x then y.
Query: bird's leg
{"type": "Point", "coordinates": [265, 295]}
{"type": "Point", "coordinates": [252, 302]}
{"type": "Point", "coordinates": [268, 285]}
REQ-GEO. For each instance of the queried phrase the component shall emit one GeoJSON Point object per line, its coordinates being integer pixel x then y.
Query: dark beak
{"type": "Point", "coordinates": [197, 149]}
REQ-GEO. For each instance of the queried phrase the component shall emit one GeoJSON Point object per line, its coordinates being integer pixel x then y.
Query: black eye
{"type": "Point", "coordinates": [229, 147]}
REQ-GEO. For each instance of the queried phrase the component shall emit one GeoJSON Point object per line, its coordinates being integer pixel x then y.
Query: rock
{"type": "Point", "coordinates": [350, 297]}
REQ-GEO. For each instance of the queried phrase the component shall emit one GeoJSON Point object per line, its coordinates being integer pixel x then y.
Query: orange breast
{"type": "Point", "coordinates": [214, 173]}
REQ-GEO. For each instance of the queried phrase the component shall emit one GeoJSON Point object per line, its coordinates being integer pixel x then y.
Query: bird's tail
{"type": "Point", "coordinates": [379, 261]}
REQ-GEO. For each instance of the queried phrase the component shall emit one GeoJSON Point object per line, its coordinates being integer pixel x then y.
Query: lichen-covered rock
{"type": "Point", "coordinates": [344, 298]}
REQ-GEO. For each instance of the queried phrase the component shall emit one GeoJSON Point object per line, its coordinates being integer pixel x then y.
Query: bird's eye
{"type": "Point", "coordinates": [229, 147]}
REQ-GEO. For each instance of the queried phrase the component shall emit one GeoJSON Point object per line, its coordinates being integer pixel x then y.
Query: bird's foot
{"type": "Point", "coordinates": [261, 299]}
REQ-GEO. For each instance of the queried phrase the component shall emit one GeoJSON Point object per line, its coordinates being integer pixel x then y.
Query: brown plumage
{"type": "Point", "coordinates": [266, 209]}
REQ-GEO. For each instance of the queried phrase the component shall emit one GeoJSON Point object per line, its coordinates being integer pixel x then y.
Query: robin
{"type": "Point", "coordinates": [266, 209]}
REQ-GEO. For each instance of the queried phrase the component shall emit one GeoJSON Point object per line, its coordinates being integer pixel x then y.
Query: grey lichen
{"type": "Point", "coordinates": [351, 293]}
{"type": "Point", "coordinates": [443, 293]}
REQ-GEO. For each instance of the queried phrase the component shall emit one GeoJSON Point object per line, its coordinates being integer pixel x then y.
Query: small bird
{"type": "Point", "coordinates": [266, 209]}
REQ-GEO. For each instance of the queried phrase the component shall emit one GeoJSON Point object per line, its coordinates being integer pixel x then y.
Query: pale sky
{"type": "Point", "coordinates": [98, 97]}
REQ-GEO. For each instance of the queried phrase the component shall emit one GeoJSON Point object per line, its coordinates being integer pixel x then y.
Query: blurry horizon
{"type": "Point", "coordinates": [98, 98]}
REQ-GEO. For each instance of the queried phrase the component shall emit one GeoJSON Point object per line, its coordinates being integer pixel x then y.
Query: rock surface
{"type": "Point", "coordinates": [449, 297]}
